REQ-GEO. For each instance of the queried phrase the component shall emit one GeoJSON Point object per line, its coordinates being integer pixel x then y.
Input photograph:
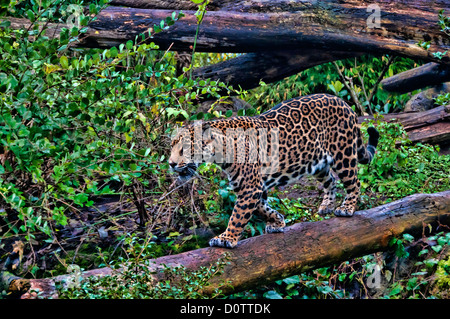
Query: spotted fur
{"type": "Point", "coordinates": [317, 134]}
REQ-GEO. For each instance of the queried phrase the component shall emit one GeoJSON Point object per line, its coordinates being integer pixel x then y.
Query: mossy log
{"type": "Point", "coordinates": [265, 258]}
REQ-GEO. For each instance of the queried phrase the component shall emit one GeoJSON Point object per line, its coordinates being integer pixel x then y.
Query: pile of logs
{"type": "Point", "coordinates": [428, 126]}
{"type": "Point", "coordinates": [282, 37]}
{"type": "Point", "coordinates": [432, 126]}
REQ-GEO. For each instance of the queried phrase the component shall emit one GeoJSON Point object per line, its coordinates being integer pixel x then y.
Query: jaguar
{"type": "Point", "coordinates": [310, 135]}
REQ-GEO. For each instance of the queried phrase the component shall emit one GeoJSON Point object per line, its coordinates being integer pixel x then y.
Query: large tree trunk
{"type": "Point", "coordinates": [278, 5]}
{"type": "Point", "coordinates": [255, 26]}
{"type": "Point", "coordinates": [263, 259]}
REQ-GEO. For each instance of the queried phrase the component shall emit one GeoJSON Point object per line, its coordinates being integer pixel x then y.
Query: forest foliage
{"type": "Point", "coordinates": [77, 125]}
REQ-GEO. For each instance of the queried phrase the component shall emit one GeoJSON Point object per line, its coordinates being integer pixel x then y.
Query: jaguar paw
{"type": "Point", "coordinates": [273, 229]}
{"type": "Point", "coordinates": [343, 212]}
{"type": "Point", "coordinates": [221, 242]}
{"type": "Point", "coordinates": [325, 210]}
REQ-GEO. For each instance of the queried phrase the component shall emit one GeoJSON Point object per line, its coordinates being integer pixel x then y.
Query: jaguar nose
{"type": "Point", "coordinates": [172, 164]}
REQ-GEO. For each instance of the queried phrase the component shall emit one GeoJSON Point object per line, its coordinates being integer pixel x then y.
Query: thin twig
{"type": "Point", "coordinates": [383, 72]}
{"type": "Point", "coordinates": [349, 88]}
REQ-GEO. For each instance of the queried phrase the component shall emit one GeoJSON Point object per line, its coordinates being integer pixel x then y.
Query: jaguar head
{"type": "Point", "coordinates": [180, 161]}
{"type": "Point", "coordinates": [190, 147]}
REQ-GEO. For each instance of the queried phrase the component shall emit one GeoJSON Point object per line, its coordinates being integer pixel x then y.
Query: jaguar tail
{"type": "Point", "coordinates": [366, 153]}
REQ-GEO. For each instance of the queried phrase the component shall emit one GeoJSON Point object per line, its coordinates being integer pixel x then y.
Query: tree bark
{"type": "Point", "coordinates": [159, 4]}
{"type": "Point", "coordinates": [429, 74]}
{"type": "Point", "coordinates": [263, 259]}
{"type": "Point", "coordinates": [256, 26]}
{"type": "Point", "coordinates": [277, 5]}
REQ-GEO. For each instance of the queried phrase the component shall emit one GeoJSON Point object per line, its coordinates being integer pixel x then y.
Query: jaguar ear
{"type": "Point", "coordinates": [200, 124]}
{"type": "Point", "coordinates": [212, 133]}
{"type": "Point", "coordinates": [205, 126]}
{"type": "Point", "coordinates": [213, 145]}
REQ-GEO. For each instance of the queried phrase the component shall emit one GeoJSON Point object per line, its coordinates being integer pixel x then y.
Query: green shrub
{"type": "Point", "coordinates": [75, 124]}
{"type": "Point", "coordinates": [134, 277]}
{"type": "Point", "coordinates": [400, 169]}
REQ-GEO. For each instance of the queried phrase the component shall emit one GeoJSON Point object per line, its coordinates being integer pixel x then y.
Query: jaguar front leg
{"type": "Point", "coordinates": [274, 220]}
{"type": "Point", "coordinates": [242, 212]}
{"type": "Point", "coordinates": [352, 187]}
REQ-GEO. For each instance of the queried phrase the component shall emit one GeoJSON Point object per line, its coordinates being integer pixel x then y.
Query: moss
{"type": "Point", "coordinates": [441, 285]}
{"type": "Point", "coordinates": [443, 273]}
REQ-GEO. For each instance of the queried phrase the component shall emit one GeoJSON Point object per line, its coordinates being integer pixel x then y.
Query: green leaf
{"type": "Point", "coordinates": [185, 114]}
{"type": "Point", "coordinates": [430, 262]}
{"type": "Point", "coordinates": [437, 248]}
{"type": "Point", "coordinates": [292, 280]}
{"type": "Point", "coordinates": [129, 44]}
{"type": "Point", "coordinates": [223, 193]}
{"type": "Point", "coordinates": [396, 290]}
{"type": "Point", "coordinates": [93, 8]}
{"type": "Point", "coordinates": [272, 294]}
{"type": "Point", "coordinates": [113, 52]}
{"type": "Point", "coordinates": [64, 62]}
{"type": "Point", "coordinates": [419, 273]}
{"type": "Point", "coordinates": [31, 16]}
{"type": "Point", "coordinates": [324, 289]}
{"type": "Point", "coordinates": [408, 237]}
{"type": "Point", "coordinates": [424, 251]}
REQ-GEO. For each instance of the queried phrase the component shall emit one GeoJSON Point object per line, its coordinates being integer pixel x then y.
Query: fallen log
{"type": "Point", "coordinates": [413, 120]}
{"type": "Point", "coordinates": [274, 5]}
{"type": "Point", "coordinates": [425, 99]}
{"type": "Point", "coordinates": [247, 70]}
{"type": "Point", "coordinates": [429, 74]}
{"type": "Point", "coordinates": [263, 259]}
{"type": "Point", "coordinates": [432, 126]}
{"type": "Point", "coordinates": [327, 25]}
{"type": "Point", "coordinates": [437, 133]}
{"type": "Point", "coordinates": [161, 4]}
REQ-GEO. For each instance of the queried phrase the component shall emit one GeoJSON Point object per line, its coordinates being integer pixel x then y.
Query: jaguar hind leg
{"type": "Point", "coordinates": [352, 187]}
{"type": "Point", "coordinates": [329, 184]}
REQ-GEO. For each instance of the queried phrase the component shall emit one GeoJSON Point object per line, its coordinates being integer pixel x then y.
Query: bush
{"type": "Point", "coordinates": [400, 169]}
{"type": "Point", "coordinates": [76, 124]}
